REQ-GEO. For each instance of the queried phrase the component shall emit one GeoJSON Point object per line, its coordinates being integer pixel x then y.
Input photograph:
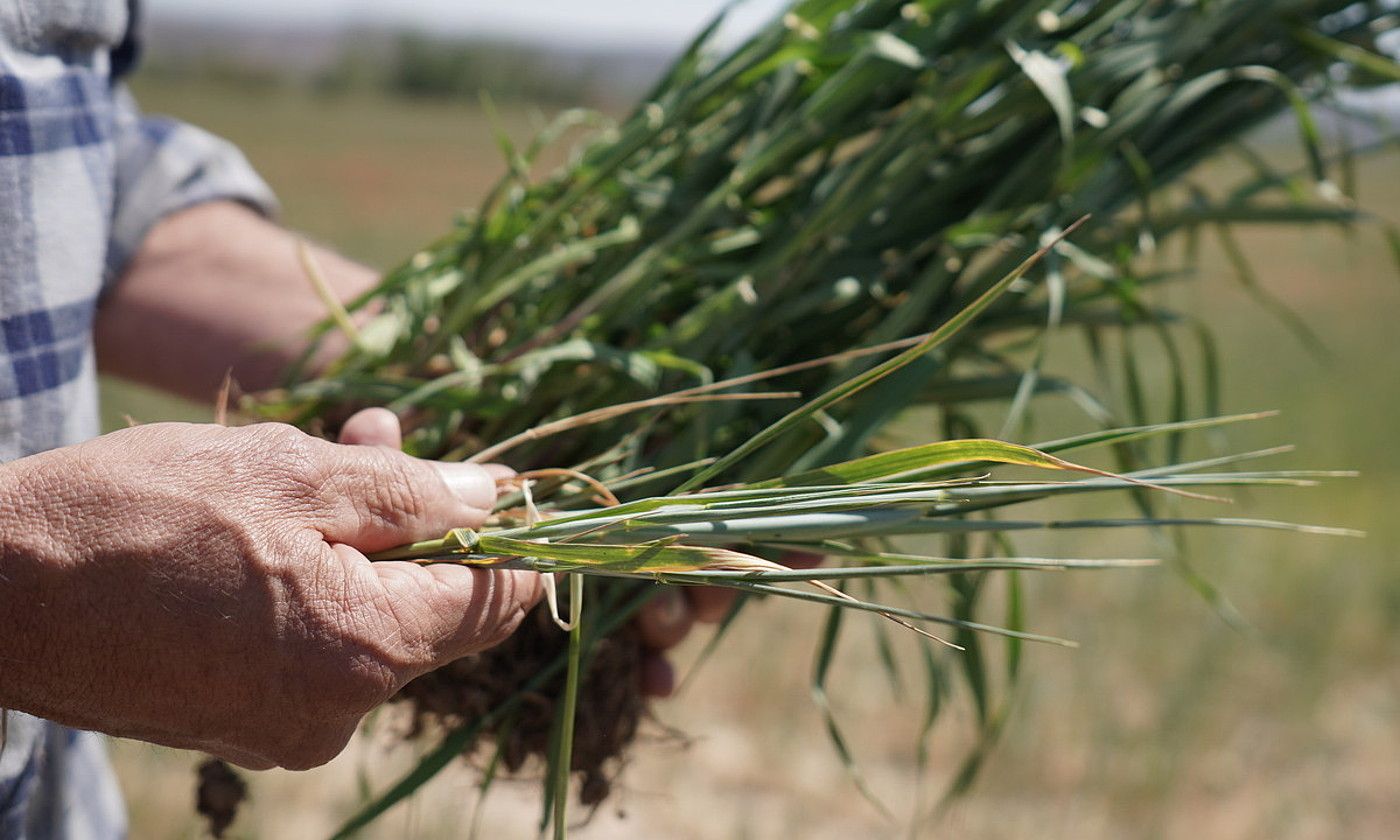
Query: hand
{"type": "Point", "coordinates": [663, 622]}
{"type": "Point", "coordinates": [207, 588]}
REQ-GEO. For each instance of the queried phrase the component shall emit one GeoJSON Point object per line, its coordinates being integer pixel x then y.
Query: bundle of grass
{"type": "Point", "coordinates": [850, 176]}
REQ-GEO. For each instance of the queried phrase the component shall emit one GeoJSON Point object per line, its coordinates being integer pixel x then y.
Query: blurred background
{"type": "Point", "coordinates": [1165, 723]}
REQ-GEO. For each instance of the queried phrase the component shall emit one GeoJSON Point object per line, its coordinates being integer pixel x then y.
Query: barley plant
{"type": "Point", "coordinates": [870, 205]}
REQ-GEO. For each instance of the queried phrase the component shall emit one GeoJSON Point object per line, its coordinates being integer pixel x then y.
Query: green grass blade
{"type": "Point", "coordinates": [1379, 65]}
{"type": "Point", "coordinates": [938, 337]}
{"type": "Point", "coordinates": [649, 558]}
{"type": "Point", "coordinates": [427, 767]}
{"type": "Point", "coordinates": [1049, 78]}
{"type": "Point", "coordinates": [563, 761]}
{"type": "Point", "coordinates": [889, 567]}
{"type": "Point", "coordinates": [452, 744]}
{"type": "Point", "coordinates": [886, 609]}
{"type": "Point", "coordinates": [826, 651]}
{"type": "Point", "coordinates": [919, 459]}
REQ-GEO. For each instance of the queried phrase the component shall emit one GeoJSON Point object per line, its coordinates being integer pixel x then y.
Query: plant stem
{"type": "Point", "coordinates": [571, 685]}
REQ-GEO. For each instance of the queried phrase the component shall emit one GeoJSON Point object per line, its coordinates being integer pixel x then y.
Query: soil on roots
{"type": "Point", "coordinates": [220, 792]}
{"type": "Point", "coordinates": [609, 711]}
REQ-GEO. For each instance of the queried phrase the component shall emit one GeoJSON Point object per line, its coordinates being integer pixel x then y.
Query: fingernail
{"type": "Point", "coordinates": [472, 484]}
{"type": "Point", "coordinates": [498, 471]}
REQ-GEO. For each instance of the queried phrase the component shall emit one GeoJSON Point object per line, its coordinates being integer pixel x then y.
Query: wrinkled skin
{"type": "Point", "coordinates": [663, 623]}
{"type": "Point", "coordinates": [207, 588]}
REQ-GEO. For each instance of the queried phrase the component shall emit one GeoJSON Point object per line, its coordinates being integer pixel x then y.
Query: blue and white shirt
{"type": "Point", "coordinates": [83, 177]}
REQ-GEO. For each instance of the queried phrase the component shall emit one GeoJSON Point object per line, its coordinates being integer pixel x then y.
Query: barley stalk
{"type": "Point", "coordinates": [798, 206]}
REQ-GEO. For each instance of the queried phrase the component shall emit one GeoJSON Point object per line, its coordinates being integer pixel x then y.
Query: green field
{"type": "Point", "coordinates": [1166, 723]}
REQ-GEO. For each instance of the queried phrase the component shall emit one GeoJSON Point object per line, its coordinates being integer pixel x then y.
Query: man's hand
{"type": "Point", "coordinates": [207, 588]}
{"type": "Point", "coordinates": [663, 622]}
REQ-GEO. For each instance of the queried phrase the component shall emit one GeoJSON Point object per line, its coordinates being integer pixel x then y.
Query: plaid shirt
{"type": "Point", "coordinates": [83, 177]}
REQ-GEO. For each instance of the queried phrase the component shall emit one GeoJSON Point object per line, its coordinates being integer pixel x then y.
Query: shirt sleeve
{"type": "Point", "coordinates": [164, 166]}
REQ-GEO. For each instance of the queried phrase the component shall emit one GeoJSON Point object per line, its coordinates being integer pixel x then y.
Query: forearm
{"type": "Point", "coordinates": [214, 289]}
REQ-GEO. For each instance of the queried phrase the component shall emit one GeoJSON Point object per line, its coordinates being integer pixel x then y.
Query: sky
{"type": "Point", "coordinates": [592, 22]}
